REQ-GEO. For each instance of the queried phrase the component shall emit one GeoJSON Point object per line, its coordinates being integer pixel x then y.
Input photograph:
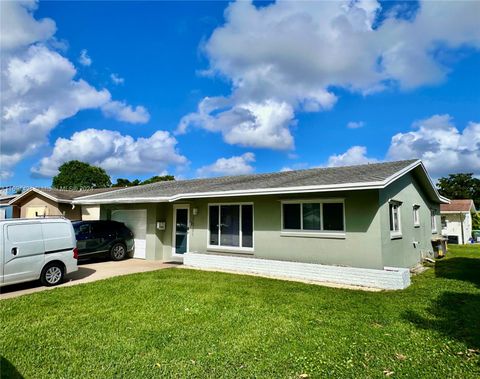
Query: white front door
{"type": "Point", "coordinates": [136, 221]}
{"type": "Point", "coordinates": [181, 226]}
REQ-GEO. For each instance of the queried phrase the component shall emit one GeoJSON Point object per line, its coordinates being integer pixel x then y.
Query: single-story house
{"type": "Point", "coordinates": [43, 202]}
{"type": "Point", "coordinates": [373, 216]}
{"type": "Point", "coordinates": [6, 210]}
{"type": "Point", "coordinates": [456, 219]}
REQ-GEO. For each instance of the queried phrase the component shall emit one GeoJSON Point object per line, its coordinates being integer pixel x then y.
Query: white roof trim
{"type": "Point", "coordinates": [442, 199]}
{"type": "Point", "coordinates": [40, 192]}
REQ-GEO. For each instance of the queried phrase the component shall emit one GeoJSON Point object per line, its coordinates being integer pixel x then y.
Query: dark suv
{"type": "Point", "coordinates": [109, 238]}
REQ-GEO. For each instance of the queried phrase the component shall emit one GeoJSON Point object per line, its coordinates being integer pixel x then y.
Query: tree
{"type": "Point", "coordinates": [127, 183]}
{"type": "Point", "coordinates": [476, 221]}
{"type": "Point", "coordinates": [77, 175]}
{"type": "Point", "coordinates": [163, 178]}
{"type": "Point", "coordinates": [460, 186]}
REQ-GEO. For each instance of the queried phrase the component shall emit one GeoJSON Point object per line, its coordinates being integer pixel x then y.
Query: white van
{"type": "Point", "coordinates": [32, 249]}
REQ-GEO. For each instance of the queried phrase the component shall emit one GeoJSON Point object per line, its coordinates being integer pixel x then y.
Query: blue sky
{"type": "Point", "coordinates": [278, 102]}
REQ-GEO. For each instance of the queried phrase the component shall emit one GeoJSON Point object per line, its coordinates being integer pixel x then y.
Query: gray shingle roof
{"type": "Point", "coordinates": [375, 172]}
{"type": "Point", "coordinates": [65, 196]}
{"type": "Point", "coordinates": [73, 194]}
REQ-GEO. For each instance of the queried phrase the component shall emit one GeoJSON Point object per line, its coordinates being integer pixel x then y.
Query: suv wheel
{"type": "Point", "coordinates": [52, 274]}
{"type": "Point", "coordinates": [118, 252]}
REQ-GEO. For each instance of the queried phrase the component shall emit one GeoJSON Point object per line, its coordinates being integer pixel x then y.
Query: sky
{"type": "Point", "coordinates": [200, 89]}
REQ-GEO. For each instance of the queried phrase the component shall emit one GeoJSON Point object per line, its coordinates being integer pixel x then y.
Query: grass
{"type": "Point", "coordinates": [185, 323]}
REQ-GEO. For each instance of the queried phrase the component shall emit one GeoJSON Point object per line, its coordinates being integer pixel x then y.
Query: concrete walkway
{"type": "Point", "coordinates": [90, 271]}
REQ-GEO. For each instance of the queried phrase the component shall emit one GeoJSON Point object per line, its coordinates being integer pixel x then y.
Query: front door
{"type": "Point", "coordinates": [181, 225]}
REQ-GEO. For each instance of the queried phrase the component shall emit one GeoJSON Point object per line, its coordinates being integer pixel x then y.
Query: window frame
{"type": "Point", "coordinates": [341, 234]}
{"type": "Point", "coordinates": [416, 216]}
{"type": "Point", "coordinates": [237, 249]}
{"type": "Point", "coordinates": [394, 234]}
{"type": "Point", "coordinates": [433, 221]}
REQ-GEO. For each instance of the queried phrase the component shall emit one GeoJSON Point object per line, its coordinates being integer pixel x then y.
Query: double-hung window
{"type": "Point", "coordinates": [416, 215]}
{"type": "Point", "coordinates": [313, 218]}
{"type": "Point", "coordinates": [230, 226]}
{"type": "Point", "coordinates": [395, 219]}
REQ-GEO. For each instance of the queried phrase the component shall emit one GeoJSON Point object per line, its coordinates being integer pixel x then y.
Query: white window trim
{"type": "Point", "coordinates": [394, 234]}
{"type": "Point", "coordinates": [416, 216]}
{"type": "Point", "coordinates": [341, 234]}
{"type": "Point", "coordinates": [234, 249]}
{"type": "Point", "coordinates": [433, 221]}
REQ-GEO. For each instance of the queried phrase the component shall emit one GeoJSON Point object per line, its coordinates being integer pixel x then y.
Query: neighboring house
{"type": "Point", "coordinates": [371, 216]}
{"type": "Point", "coordinates": [44, 202]}
{"type": "Point", "coordinates": [6, 210]}
{"type": "Point", "coordinates": [457, 220]}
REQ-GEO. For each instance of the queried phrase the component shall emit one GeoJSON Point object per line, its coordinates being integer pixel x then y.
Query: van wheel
{"type": "Point", "coordinates": [118, 252]}
{"type": "Point", "coordinates": [52, 274]}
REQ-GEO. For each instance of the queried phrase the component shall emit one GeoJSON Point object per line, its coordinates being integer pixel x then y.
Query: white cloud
{"type": "Point", "coordinates": [124, 112]}
{"type": "Point", "coordinates": [262, 125]}
{"type": "Point", "coordinates": [84, 59]}
{"type": "Point", "coordinates": [236, 165]}
{"type": "Point", "coordinates": [39, 86]}
{"type": "Point", "coordinates": [443, 148]}
{"type": "Point", "coordinates": [116, 79]}
{"type": "Point", "coordinates": [296, 52]}
{"type": "Point", "coordinates": [114, 152]}
{"type": "Point", "coordinates": [18, 28]}
{"type": "Point", "coordinates": [354, 156]}
{"type": "Point", "coordinates": [355, 124]}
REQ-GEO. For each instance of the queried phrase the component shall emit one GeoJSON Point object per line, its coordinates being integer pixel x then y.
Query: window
{"type": "Point", "coordinates": [313, 217]}
{"type": "Point", "coordinates": [395, 221]}
{"type": "Point", "coordinates": [433, 220]}
{"type": "Point", "coordinates": [416, 215]}
{"type": "Point", "coordinates": [231, 226]}
{"type": "Point", "coordinates": [444, 222]}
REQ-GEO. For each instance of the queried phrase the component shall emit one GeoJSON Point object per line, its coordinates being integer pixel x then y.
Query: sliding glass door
{"type": "Point", "coordinates": [231, 225]}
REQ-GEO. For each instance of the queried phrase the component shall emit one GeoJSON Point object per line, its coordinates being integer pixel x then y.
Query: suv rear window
{"type": "Point", "coordinates": [106, 227]}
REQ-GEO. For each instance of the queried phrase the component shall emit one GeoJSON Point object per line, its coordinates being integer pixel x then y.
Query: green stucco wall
{"type": "Point", "coordinates": [360, 247]}
{"type": "Point", "coordinates": [401, 252]}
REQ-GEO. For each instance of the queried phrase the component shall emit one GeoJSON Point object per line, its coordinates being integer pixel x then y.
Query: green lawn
{"type": "Point", "coordinates": [185, 323]}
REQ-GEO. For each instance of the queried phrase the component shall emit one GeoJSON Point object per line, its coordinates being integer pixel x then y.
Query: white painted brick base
{"type": "Point", "coordinates": [391, 278]}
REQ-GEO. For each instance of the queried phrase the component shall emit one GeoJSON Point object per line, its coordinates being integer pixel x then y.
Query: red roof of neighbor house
{"type": "Point", "coordinates": [464, 205]}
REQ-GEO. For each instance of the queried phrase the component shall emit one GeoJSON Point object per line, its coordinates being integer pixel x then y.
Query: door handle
{"type": "Point", "coordinates": [14, 250]}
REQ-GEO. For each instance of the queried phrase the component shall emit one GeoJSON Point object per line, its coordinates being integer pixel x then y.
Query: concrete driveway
{"type": "Point", "coordinates": [88, 271]}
